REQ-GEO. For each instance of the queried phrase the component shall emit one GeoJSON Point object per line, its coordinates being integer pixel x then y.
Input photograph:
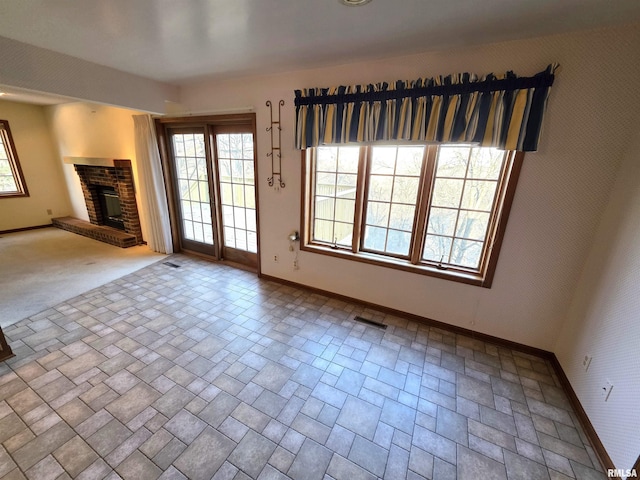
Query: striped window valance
{"type": "Point", "coordinates": [503, 111]}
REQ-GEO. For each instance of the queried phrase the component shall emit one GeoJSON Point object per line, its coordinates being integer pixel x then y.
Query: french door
{"type": "Point", "coordinates": [212, 166]}
{"type": "Point", "coordinates": [235, 167]}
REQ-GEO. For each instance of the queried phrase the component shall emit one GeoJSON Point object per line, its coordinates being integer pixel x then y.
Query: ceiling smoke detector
{"type": "Point", "coordinates": [354, 3]}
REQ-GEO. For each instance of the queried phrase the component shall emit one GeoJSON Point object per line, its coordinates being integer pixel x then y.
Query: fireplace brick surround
{"type": "Point", "coordinates": [114, 173]}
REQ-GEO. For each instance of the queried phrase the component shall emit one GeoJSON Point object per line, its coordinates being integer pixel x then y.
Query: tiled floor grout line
{"type": "Point", "coordinates": [305, 352]}
{"type": "Point", "coordinates": [62, 420]}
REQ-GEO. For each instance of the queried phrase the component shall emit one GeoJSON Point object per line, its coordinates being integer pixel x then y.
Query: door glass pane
{"type": "Point", "coordinates": [250, 196]}
{"type": "Point", "coordinates": [252, 240]}
{"type": "Point", "coordinates": [235, 170]}
{"type": "Point", "coordinates": [193, 186]}
{"type": "Point", "coordinates": [239, 218]}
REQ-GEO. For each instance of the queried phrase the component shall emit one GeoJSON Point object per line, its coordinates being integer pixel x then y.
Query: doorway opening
{"type": "Point", "coordinates": [211, 165]}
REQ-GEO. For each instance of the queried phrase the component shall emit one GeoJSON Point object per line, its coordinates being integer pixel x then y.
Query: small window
{"type": "Point", "coordinates": [11, 179]}
{"type": "Point", "coordinates": [436, 210]}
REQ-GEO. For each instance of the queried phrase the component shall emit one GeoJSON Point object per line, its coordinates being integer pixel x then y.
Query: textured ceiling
{"type": "Point", "coordinates": [179, 41]}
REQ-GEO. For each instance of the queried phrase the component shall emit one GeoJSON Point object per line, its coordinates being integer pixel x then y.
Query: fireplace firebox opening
{"type": "Point", "coordinates": [110, 207]}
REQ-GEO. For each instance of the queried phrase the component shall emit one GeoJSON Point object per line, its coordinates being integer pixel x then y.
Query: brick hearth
{"type": "Point", "coordinates": [114, 173]}
{"type": "Point", "coordinates": [102, 233]}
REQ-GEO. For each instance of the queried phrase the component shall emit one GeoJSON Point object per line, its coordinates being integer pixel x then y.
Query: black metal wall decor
{"type": "Point", "coordinates": [276, 152]}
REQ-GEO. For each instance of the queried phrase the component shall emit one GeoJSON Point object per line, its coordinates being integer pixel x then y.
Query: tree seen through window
{"type": "Point", "coordinates": [427, 205]}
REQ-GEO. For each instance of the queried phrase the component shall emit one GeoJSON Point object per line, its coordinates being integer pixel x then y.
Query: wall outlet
{"type": "Point", "coordinates": [275, 258]}
{"type": "Point", "coordinates": [586, 362]}
{"type": "Point", "coordinates": [49, 211]}
{"type": "Point", "coordinates": [606, 390]}
{"type": "Point", "coordinates": [295, 265]}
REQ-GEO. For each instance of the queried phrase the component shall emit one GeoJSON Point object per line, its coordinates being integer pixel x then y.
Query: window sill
{"type": "Point", "coordinates": [13, 195]}
{"type": "Point", "coordinates": [399, 264]}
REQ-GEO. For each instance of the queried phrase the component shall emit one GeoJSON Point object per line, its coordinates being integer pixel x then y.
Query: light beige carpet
{"type": "Point", "coordinates": [42, 268]}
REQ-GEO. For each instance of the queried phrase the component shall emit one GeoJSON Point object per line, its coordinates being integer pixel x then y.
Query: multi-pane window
{"type": "Point", "coordinates": [335, 193]}
{"type": "Point", "coordinates": [433, 209]}
{"type": "Point", "coordinates": [11, 180]}
{"type": "Point", "coordinates": [463, 198]}
{"type": "Point", "coordinates": [392, 193]}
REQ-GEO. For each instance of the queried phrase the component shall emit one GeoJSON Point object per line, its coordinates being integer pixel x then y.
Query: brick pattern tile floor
{"type": "Point", "coordinates": [205, 371]}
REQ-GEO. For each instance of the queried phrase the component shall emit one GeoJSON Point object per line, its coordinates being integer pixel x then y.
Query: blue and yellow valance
{"type": "Point", "coordinates": [503, 111]}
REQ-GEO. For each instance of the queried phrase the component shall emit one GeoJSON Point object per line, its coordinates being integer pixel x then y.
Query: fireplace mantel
{"type": "Point", "coordinates": [98, 161]}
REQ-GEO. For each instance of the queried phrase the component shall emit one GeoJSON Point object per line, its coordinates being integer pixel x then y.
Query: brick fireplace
{"type": "Point", "coordinates": [115, 176]}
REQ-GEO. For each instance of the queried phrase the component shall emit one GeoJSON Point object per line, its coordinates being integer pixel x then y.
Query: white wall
{"type": "Point", "coordinates": [604, 321]}
{"type": "Point", "coordinates": [34, 68]}
{"type": "Point", "coordinates": [561, 194]}
{"type": "Point", "coordinates": [90, 130]}
{"type": "Point", "coordinates": [42, 173]}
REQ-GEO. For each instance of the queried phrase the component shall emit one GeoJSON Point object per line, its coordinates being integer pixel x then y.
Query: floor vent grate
{"type": "Point", "coordinates": [370, 322]}
{"type": "Point", "coordinates": [172, 265]}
